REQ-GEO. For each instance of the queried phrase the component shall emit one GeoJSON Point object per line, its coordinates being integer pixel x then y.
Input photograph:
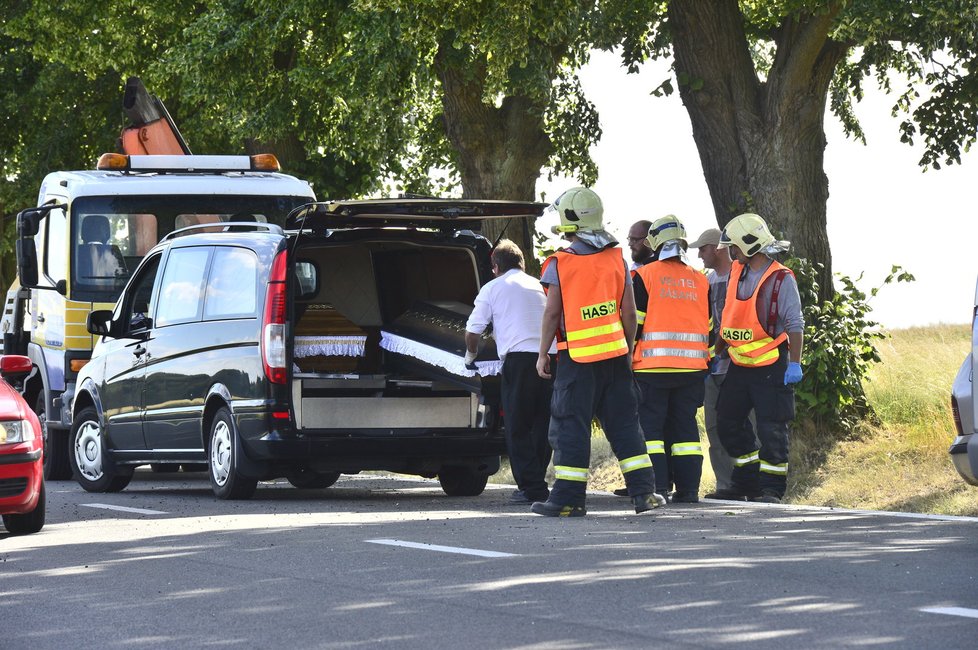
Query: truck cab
{"type": "Point", "coordinates": [89, 231]}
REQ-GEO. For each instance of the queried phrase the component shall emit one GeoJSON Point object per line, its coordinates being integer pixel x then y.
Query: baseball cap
{"type": "Point", "coordinates": [709, 236]}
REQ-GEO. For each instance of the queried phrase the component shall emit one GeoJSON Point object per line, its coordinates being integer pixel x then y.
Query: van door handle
{"type": "Point", "coordinates": [139, 351]}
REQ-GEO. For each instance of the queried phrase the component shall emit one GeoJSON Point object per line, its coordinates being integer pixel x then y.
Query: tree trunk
{"type": "Point", "coordinates": [761, 143]}
{"type": "Point", "coordinates": [500, 149]}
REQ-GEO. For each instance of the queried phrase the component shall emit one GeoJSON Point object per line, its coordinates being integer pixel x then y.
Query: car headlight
{"type": "Point", "coordinates": [16, 431]}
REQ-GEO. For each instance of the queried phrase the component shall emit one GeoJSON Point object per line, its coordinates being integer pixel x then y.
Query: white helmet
{"type": "Point", "coordinates": [582, 214]}
{"type": "Point", "coordinates": [750, 234]}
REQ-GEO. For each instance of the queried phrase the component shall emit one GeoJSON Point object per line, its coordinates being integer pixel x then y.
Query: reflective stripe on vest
{"type": "Point", "coordinates": [591, 289]}
{"type": "Point", "coordinates": [749, 342]}
{"type": "Point", "coordinates": [676, 328]}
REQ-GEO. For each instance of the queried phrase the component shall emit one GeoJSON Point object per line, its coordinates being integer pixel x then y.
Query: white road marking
{"type": "Point", "coordinates": [952, 611]}
{"type": "Point", "coordinates": [138, 511]}
{"type": "Point", "coordinates": [441, 549]}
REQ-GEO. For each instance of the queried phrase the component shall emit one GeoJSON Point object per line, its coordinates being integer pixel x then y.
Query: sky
{"type": "Point", "coordinates": [882, 209]}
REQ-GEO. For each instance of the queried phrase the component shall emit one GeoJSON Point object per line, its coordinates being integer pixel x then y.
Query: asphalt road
{"type": "Point", "coordinates": [379, 561]}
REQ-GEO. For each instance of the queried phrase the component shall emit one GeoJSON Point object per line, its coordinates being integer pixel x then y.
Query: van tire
{"type": "Point", "coordinates": [90, 465]}
{"type": "Point", "coordinates": [29, 522]}
{"type": "Point", "coordinates": [306, 479]}
{"type": "Point", "coordinates": [222, 456]}
{"type": "Point", "coordinates": [57, 466]}
{"type": "Point", "coordinates": [462, 481]}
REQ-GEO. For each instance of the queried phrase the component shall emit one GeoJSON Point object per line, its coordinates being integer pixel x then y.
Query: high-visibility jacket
{"type": "Point", "coordinates": [591, 289]}
{"type": "Point", "coordinates": [750, 344]}
{"type": "Point", "coordinates": [675, 330]}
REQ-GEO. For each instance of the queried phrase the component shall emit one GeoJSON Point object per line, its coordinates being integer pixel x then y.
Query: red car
{"type": "Point", "coordinates": [21, 454]}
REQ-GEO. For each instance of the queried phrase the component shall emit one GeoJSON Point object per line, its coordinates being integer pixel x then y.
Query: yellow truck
{"type": "Point", "coordinates": [88, 231]}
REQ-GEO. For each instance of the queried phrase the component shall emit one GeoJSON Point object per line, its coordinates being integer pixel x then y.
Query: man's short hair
{"type": "Point", "coordinates": [508, 256]}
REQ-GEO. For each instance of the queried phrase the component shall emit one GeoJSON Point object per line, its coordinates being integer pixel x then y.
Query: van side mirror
{"type": "Point", "coordinates": [99, 323]}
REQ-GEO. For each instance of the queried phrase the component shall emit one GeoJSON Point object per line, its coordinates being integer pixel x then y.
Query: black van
{"type": "Point", "coordinates": [331, 347]}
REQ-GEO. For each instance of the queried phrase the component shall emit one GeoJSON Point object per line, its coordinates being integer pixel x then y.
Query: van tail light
{"type": "Point", "coordinates": [273, 323]}
{"type": "Point", "coordinates": [956, 414]}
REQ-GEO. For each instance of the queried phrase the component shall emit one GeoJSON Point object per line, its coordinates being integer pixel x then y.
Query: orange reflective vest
{"type": "Point", "coordinates": [591, 289]}
{"type": "Point", "coordinates": [750, 344]}
{"type": "Point", "coordinates": [675, 333]}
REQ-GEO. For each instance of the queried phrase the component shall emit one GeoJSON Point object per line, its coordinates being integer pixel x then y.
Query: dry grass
{"type": "Point", "coordinates": [900, 463]}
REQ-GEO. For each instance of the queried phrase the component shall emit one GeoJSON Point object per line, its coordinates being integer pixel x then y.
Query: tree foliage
{"type": "Point", "coordinates": [756, 77]}
{"type": "Point", "coordinates": [354, 95]}
{"type": "Point", "coordinates": [840, 346]}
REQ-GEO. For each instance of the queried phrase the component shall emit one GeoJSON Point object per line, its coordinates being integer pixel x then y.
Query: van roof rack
{"type": "Point", "coordinates": [225, 226]}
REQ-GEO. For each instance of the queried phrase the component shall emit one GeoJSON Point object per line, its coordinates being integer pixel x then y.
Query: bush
{"type": "Point", "coordinates": [839, 347]}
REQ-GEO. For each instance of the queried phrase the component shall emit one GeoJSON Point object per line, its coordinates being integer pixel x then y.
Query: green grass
{"type": "Point", "coordinates": [897, 461]}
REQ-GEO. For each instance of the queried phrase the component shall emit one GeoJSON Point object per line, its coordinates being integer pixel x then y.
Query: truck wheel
{"type": "Point", "coordinates": [89, 463]}
{"type": "Point", "coordinates": [57, 466]}
{"type": "Point", "coordinates": [306, 479]}
{"type": "Point", "coordinates": [462, 481]}
{"type": "Point", "coordinates": [226, 480]}
{"type": "Point", "coordinates": [29, 522]}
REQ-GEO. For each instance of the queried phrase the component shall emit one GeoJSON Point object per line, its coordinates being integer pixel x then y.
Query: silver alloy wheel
{"type": "Point", "coordinates": [221, 452]}
{"type": "Point", "coordinates": [88, 450]}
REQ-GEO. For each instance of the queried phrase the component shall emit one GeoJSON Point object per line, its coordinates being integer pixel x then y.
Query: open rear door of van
{"type": "Point", "coordinates": [442, 214]}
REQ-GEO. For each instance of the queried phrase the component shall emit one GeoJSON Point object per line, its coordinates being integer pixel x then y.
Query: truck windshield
{"type": "Point", "coordinates": [111, 234]}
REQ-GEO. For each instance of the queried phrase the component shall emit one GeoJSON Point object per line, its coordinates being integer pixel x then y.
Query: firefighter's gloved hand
{"type": "Point", "coordinates": [793, 374]}
{"type": "Point", "coordinates": [470, 360]}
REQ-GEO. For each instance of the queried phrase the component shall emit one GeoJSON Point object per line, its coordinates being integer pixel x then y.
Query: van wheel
{"type": "Point", "coordinates": [57, 466]}
{"type": "Point", "coordinates": [226, 481]}
{"type": "Point", "coordinates": [29, 522]}
{"type": "Point", "coordinates": [89, 464]}
{"type": "Point", "coordinates": [306, 479]}
{"type": "Point", "coordinates": [462, 482]}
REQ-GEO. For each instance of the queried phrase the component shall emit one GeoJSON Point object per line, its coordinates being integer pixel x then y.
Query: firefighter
{"type": "Point", "coordinates": [671, 359]}
{"type": "Point", "coordinates": [762, 327]}
{"type": "Point", "coordinates": [591, 309]}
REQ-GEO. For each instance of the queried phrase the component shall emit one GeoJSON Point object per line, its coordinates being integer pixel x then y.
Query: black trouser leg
{"type": "Point", "coordinates": [526, 408]}
{"type": "Point", "coordinates": [682, 433]}
{"type": "Point", "coordinates": [653, 408]}
{"type": "Point", "coordinates": [761, 459]}
{"type": "Point", "coordinates": [571, 412]}
{"type": "Point", "coordinates": [617, 410]}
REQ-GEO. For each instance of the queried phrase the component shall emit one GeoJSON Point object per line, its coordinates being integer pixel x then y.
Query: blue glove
{"type": "Point", "coordinates": [793, 374]}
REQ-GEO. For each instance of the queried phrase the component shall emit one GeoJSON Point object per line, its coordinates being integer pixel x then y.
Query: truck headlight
{"type": "Point", "coordinates": [16, 431]}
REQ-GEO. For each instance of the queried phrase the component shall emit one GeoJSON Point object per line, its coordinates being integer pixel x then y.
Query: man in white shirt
{"type": "Point", "coordinates": [513, 303]}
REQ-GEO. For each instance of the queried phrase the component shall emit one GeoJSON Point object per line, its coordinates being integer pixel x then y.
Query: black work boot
{"type": "Point", "coordinates": [728, 495]}
{"type": "Point", "coordinates": [680, 496]}
{"type": "Point", "coordinates": [646, 502]}
{"type": "Point", "coordinates": [551, 509]}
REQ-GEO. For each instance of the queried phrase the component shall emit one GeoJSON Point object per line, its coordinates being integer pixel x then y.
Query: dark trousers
{"type": "Point", "coordinates": [526, 415]}
{"type": "Point", "coordinates": [761, 457]}
{"type": "Point", "coordinates": [582, 391]}
{"type": "Point", "coordinates": [667, 413]}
